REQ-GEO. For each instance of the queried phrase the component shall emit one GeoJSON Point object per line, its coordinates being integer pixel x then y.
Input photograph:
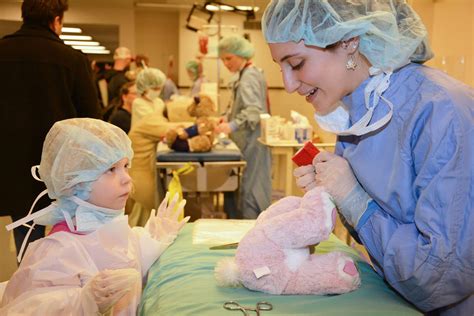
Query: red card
{"type": "Point", "coordinates": [304, 156]}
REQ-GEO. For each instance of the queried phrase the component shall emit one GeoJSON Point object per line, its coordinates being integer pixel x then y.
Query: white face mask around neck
{"type": "Point", "coordinates": [338, 120]}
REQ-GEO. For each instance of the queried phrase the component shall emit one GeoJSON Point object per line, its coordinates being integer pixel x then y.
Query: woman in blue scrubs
{"type": "Point", "coordinates": [242, 122]}
{"type": "Point", "coordinates": [402, 174]}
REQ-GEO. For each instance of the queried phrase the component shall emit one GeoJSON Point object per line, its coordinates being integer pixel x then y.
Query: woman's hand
{"type": "Point", "coordinates": [223, 127]}
{"type": "Point", "coordinates": [305, 177]}
{"type": "Point", "coordinates": [335, 174]}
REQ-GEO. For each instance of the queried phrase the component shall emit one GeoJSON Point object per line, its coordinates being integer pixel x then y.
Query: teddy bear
{"type": "Point", "coordinates": [274, 256]}
{"type": "Point", "coordinates": [199, 137]}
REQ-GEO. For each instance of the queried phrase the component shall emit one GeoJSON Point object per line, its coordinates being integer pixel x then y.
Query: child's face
{"type": "Point", "coordinates": [112, 188]}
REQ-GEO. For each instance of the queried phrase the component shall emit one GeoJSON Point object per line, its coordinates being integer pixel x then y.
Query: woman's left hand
{"type": "Point", "coordinates": [335, 174]}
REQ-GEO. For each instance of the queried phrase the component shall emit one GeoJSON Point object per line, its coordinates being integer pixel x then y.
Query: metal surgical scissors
{"type": "Point", "coordinates": [261, 306]}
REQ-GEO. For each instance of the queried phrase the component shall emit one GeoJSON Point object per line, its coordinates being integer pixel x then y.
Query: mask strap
{"type": "Point", "coordinates": [34, 173]}
{"type": "Point", "coordinates": [69, 221]}
{"type": "Point", "coordinates": [25, 241]}
{"type": "Point", "coordinates": [25, 220]}
{"type": "Point", "coordinates": [29, 216]}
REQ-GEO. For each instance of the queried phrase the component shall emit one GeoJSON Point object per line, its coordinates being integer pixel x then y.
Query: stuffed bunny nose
{"type": "Point", "coordinates": [197, 99]}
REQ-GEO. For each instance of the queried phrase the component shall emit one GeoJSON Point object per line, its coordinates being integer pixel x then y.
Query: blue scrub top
{"type": "Point", "coordinates": [419, 228]}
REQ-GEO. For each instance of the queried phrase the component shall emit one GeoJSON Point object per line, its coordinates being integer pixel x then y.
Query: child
{"type": "Point", "coordinates": [92, 261]}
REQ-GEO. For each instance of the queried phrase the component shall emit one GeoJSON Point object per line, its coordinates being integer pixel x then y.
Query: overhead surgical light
{"type": "Point", "coordinates": [197, 17]}
{"type": "Point", "coordinates": [247, 8]}
{"type": "Point", "coordinates": [214, 6]}
{"type": "Point", "coordinates": [219, 7]}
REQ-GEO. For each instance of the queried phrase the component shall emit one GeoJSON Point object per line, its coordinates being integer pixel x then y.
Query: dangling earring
{"type": "Point", "coordinates": [351, 64]}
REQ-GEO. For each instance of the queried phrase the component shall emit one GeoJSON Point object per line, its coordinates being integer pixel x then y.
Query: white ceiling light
{"type": "Point", "coordinates": [83, 43]}
{"type": "Point", "coordinates": [96, 52]}
{"type": "Point", "coordinates": [88, 47]}
{"type": "Point", "coordinates": [75, 37]}
{"type": "Point", "coordinates": [71, 30]}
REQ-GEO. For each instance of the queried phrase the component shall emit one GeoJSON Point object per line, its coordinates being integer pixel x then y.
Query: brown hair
{"type": "Point", "coordinates": [43, 12]}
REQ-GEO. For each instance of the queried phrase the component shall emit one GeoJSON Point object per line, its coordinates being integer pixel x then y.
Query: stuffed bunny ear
{"type": "Point", "coordinates": [226, 273]}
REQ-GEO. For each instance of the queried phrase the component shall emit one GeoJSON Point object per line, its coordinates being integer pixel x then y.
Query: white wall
{"type": "Point", "coordinates": [98, 13]}
{"type": "Point", "coordinates": [450, 25]}
{"type": "Point", "coordinates": [156, 36]}
{"type": "Point", "coordinates": [10, 11]}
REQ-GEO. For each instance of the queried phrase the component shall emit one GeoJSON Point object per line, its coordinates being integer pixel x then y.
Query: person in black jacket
{"type": "Point", "coordinates": [44, 81]}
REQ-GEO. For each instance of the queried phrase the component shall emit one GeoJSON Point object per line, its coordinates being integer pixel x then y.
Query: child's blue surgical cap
{"type": "Point", "coordinates": [236, 45]}
{"type": "Point", "coordinates": [76, 152]}
{"type": "Point", "coordinates": [150, 78]}
{"type": "Point", "coordinates": [391, 33]}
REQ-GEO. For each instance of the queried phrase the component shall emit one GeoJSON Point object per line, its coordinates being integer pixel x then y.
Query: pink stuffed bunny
{"type": "Point", "coordinates": [274, 255]}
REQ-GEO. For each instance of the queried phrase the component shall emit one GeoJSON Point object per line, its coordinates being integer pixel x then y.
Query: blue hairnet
{"type": "Point", "coordinates": [391, 33]}
{"type": "Point", "coordinates": [150, 78]}
{"type": "Point", "coordinates": [76, 152]}
{"type": "Point", "coordinates": [236, 45]}
{"type": "Point", "coordinates": [193, 66]}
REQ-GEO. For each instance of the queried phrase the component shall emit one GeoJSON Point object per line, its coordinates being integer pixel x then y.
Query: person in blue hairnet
{"type": "Point", "coordinates": [150, 82]}
{"type": "Point", "coordinates": [195, 73]}
{"type": "Point", "coordinates": [242, 122]}
{"type": "Point", "coordinates": [402, 174]}
{"type": "Point", "coordinates": [92, 262]}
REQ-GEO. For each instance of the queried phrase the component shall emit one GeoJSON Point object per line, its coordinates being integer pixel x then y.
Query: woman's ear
{"type": "Point", "coordinates": [351, 45]}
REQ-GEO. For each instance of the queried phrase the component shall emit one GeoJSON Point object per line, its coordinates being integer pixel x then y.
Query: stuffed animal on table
{"type": "Point", "coordinates": [200, 136]}
{"type": "Point", "coordinates": [274, 256]}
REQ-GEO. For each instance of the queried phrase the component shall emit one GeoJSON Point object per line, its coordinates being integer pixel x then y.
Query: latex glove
{"type": "Point", "coordinates": [164, 225]}
{"type": "Point", "coordinates": [305, 177]}
{"type": "Point", "coordinates": [335, 174]}
{"type": "Point", "coordinates": [109, 286]}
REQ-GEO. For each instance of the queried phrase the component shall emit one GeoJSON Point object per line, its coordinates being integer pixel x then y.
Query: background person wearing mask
{"type": "Point", "coordinates": [149, 84]}
{"type": "Point", "coordinates": [248, 101]}
{"type": "Point", "coordinates": [195, 73]}
{"type": "Point", "coordinates": [122, 114]}
{"type": "Point", "coordinates": [44, 81]}
{"type": "Point", "coordinates": [403, 170]}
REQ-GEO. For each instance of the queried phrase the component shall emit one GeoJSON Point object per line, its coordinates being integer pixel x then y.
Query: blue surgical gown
{"type": "Point", "coordinates": [419, 228]}
{"type": "Point", "coordinates": [249, 101]}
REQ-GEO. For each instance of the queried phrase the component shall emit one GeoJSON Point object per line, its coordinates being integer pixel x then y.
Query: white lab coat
{"type": "Point", "coordinates": [52, 277]}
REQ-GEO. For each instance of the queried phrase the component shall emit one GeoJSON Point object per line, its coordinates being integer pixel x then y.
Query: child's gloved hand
{"type": "Point", "coordinates": [109, 286]}
{"type": "Point", "coordinates": [164, 225]}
